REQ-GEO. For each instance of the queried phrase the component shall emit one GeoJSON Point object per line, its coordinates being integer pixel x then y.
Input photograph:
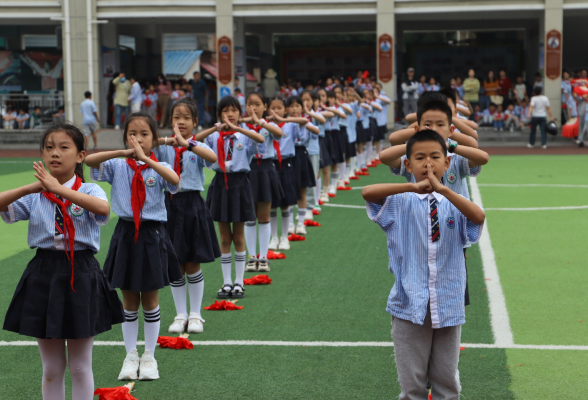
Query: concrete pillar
{"type": "Point", "coordinates": [266, 53]}
{"type": "Point", "coordinates": [224, 27]}
{"type": "Point", "coordinates": [385, 21]}
{"type": "Point", "coordinates": [239, 35]}
{"type": "Point", "coordinates": [109, 39]}
{"type": "Point", "coordinates": [553, 20]}
{"type": "Point", "coordinates": [76, 56]}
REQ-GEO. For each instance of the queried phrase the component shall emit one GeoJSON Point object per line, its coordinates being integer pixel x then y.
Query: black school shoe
{"type": "Point", "coordinates": [238, 291]}
{"type": "Point", "coordinates": [224, 292]}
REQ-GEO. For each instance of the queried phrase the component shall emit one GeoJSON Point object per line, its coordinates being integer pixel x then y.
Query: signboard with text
{"type": "Point", "coordinates": [553, 54]}
{"type": "Point", "coordinates": [225, 60]}
{"type": "Point", "coordinates": [385, 59]}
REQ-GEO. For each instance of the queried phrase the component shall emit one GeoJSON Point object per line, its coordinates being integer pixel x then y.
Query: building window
{"type": "Point", "coordinates": [37, 41]}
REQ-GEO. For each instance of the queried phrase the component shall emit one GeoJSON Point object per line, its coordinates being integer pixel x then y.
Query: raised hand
{"type": "Point", "coordinates": [228, 124]}
{"type": "Point", "coordinates": [277, 117]}
{"type": "Point", "coordinates": [423, 187]}
{"type": "Point", "coordinates": [138, 150]}
{"type": "Point", "coordinates": [46, 181]}
{"type": "Point", "coordinates": [254, 117]}
{"type": "Point", "coordinates": [180, 141]}
{"type": "Point", "coordinates": [436, 185]}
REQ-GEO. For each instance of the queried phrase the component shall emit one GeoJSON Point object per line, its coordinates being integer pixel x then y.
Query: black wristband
{"type": "Point", "coordinates": [190, 146]}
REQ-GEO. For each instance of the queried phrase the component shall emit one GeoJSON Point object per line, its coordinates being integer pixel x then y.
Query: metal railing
{"type": "Point", "coordinates": [49, 104]}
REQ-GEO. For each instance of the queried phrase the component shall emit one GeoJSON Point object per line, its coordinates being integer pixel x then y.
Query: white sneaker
{"type": "Point", "coordinates": [544, 146]}
{"type": "Point", "coordinates": [195, 325]}
{"type": "Point", "coordinates": [273, 245]}
{"type": "Point", "coordinates": [148, 367]}
{"type": "Point", "coordinates": [308, 216]}
{"type": "Point", "coordinates": [340, 182]}
{"type": "Point", "coordinates": [332, 190]}
{"type": "Point", "coordinates": [251, 264]}
{"type": "Point", "coordinates": [179, 324]}
{"type": "Point", "coordinates": [130, 367]}
{"type": "Point", "coordinates": [264, 265]}
{"type": "Point", "coordinates": [529, 145]}
{"type": "Point", "coordinates": [324, 197]}
{"type": "Point", "coordinates": [284, 243]}
{"type": "Point", "coordinates": [300, 229]}
{"type": "Point", "coordinates": [291, 227]}
{"type": "Point", "coordinates": [117, 127]}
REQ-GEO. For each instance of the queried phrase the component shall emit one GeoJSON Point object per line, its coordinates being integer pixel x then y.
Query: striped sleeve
{"type": "Point", "coordinates": [201, 161]}
{"type": "Point", "coordinates": [253, 147]}
{"type": "Point", "coordinates": [173, 189]}
{"type": "Point", "coordinates": [385, 215]}
{"type": "Point", "coordinates": [20, 210]}
{"type": "Point", "coordinates": [106, 171]}
{"type": "Point", "coordinates": [470, 232]}
{"type": "Point", "coordinates": [96, 191]}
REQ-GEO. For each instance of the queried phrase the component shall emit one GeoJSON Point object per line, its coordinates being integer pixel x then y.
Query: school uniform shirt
{"type": "Point", "coordinates": [352, 121]}
{"type": "Point", "coordinates": [118, 173]}
{"type": "Point", "coordinates": [426, 272]}
{"type": "Point", "coordinates": [453, 178]}
{"type": "Point", "coordinates": [422, 88]}
{"type": "Point", "coordinates": [344, 121]}
{"type": "Point", "coordinates": [334, 122]}
{"type": "Point", "coordinates": [374, 113]}
{"type": "Point", "coordinates": [433, 88]}
{"type": "Point", "coordinates": [40, 212]}
{"type": "Point", "coordinates": [88, 108]}
{"type": "Point", "coordinates": [365, 117]}
{"type": "Point", "coordinates": [244, 149]}
{"type": "Point", "coordinates": [269, 152]}
{"type": "Point", "coordinates": [566, 87]}
{"type": "Point", "coordinates": [382, 117]}
{"type": "Point", "coordinates": [313, 144]}
{"type": "Point", "coordinates": [192, 176]}
{"type": "Point", "coordinates": [305, 136]}
{"type": "Point", "coordinates": [291, 132]}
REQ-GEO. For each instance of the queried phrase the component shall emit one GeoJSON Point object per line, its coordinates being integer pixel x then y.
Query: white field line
{"type": "Point", "coordinates": [343, 206]}
{"type": "Point", "coordinates": [532, 185]}
{"type": "Point", "coordinates": [498, 312]}
{"type": "Point", "coordinates": [539, 208]}
{"type": "Point", "coordinates": [321, 344]}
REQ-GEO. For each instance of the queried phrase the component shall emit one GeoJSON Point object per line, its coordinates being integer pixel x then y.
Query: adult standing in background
{"type": "Point", "coordinates": [409, 93]}
{"type": "Point", "coordinates": [164, 91]}
{"type": "Point", "coordinates": [270, 86]}
{"type": "Point", "coordinates": [491, 88]}
{"type": "Point", "coordinates": [471, 89]}
{"type": "Point", "coordinates": [110, 100]}
{"type": "Point", "coordinates": [136, 96]}
{"type": "Point", "coordinates": [121, 98]}
{"type": "Point", "coordinates": [505, 86]}
{"type": "Point", "coordinates": [538, 113]}
{"type": "Point", "coordinates": [199, 93]}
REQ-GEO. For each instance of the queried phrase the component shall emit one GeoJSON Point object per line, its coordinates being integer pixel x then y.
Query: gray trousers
{"type": "Point", "coordinates": [425, 354]}
{"type": "Point", "coordinates": [409, 105]}
{"type": "Point", "coordinates": [310, 192]}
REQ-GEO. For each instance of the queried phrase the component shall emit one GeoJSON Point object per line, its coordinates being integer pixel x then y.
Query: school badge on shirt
{"type": "Point", "coordinates": [451, 177]}
{"type": "Point", "coordinates": [450, 222]}
{"type": "Point", "coordinates": [192, 159]}
{"type": "Point", "coordinates": [151, 181]}
{"type": "Point", "coordinates": [76, 210]}
{"type": "Point", "coordinates": [239, 146]}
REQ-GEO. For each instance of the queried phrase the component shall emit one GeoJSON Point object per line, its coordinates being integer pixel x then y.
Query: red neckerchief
{"type": "Point", "coordinates": [69, 231]}
{"type": "Point", "coordinates": [277, 146]}
{"type": "Point", "coordinates": [256, 128]}
{"type": "Point", "coordinates": [179, 151]}
{"type": "Point", "coordinates": [220, 144]}
{"type": "Point", "coordinates": [138, 194]}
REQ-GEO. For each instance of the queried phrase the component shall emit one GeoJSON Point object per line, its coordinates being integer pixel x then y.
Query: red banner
{"type": "Point", "coordinates": [385, 58]}
{"type": "Point", "coordinates": [225, 60]}
{"type": "Point", "coordinates": [553, 54]}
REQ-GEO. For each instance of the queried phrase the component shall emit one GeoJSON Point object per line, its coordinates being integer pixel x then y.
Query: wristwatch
{"type": "Point", "coordinates": [452, 146]}
{"type": "Point", "coordinates": [190, 146]}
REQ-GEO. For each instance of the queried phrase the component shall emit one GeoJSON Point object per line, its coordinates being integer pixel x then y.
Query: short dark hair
{"type": "Point", "coordinates": [225, 102]}
{"type": "Point", "coordinates": [237, 90]}
{"type": "Point", "coordinates": [436, 105]}
{"type": "Point", "coordinates": [331, 93]}
{"type": "Point", "coordinates": [87, 94]}
{"type": "Point", "coordinates": [147, 118]}
{"type": "Point", "coordinates": [537, 90]}
{"type": "Point", "coordinates": [450, 94]}
{"type": "Point", "coordinates": [426, 135]}
{"type": "Point", "coordinates": [75, 134]}
{"type": "Point", "coordinates": [428, 96]}
{"type": "Point", "coordinates": [190, 104]}
{"type": "Point", "coordinates": [293, 99]}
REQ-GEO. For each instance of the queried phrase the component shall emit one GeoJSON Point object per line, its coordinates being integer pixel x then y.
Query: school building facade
{"type": "Point", "coordinates": [72, 46]}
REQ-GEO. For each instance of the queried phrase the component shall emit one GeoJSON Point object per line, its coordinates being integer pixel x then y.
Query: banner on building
{"type": "Point", "coordinates": [9, 71]}
{"type": "Point", "coordinates": [553, 54]}
{"type": "Point", "coordinates": [385, 59]}
{"type": "Point", "coordinates": [225, 60]}
{"type": "Point", "coordinates": [47, 66]}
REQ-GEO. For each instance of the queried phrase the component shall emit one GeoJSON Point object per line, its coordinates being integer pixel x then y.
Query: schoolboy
{"type": "Point", "coordinates": [427, 225]}
{"type": "Point", "coordinates": [89, 118]}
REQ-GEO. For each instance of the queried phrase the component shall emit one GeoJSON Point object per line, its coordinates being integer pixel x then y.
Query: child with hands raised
{"type": "Point", "coordinates": [141, 257]}
{"type": "Point", "coordinates": [63, 295]}
{"type": "Point", "coordinates": [189, 223]}
{"type": "Point", "coordinates": [230, 195]}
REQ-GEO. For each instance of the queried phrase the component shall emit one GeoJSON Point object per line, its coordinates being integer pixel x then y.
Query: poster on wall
{"type": "Point", "coordinates": [49, 67]}
{"type": "Point", "coordinates": [108, 61]}
{"type": "Point", "coordinates": [553, 54]}
{"type": "Point", "coordinates": [9, 72]}
{"type": "Point", "coordinates": [225, 60]}
{"type": "Point", "coordinates": [385, 62]}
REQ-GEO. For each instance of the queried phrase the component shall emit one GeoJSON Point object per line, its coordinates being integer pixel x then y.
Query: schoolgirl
{"type": "Point", "coordinates": [373, 126]}
{"type": "Point", "coordinates": [63, 294]}
{"type": "Point", "coordinates": [352, 100]}
{"type": "Point", "coordinates": [343, 123]}
{"type": "Point", "coordinates": [366, 137]}
{"type": "Point", "coordinates": [141, 257]}
{"type": "Point", "coordinates": [291, 131]}
{"type": "Point", "coordinates": [189, 223]}
{"type": "Point", "coordinates": [381, 119]}
{"type": "Point", "coordinates": [337, 145]}
{"type": "Point", "coordinates": [230, 196]}
{"type": "Point", "coordinates": [303, 170]}
{"type": "Point", "coordinates": [265, 181]}
{"type": "Point", "coordinates": [311, 101]}
{"type": "Point", "coordinates": [325, 144]}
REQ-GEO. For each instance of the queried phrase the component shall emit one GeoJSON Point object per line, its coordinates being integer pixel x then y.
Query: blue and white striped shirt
{"type": "Point", "coordinates": [40, 212]}
{"type": "Point", "coordinates": [244, 149]}
{"type": "Point", "coordinates": [313, 144]}
{"type": "Point", "coordinates": [291, 132]}
{"type": "Point", "coordinates": [305, 136]}
{"type": "Point", "coordinates": [334, 122]}
{"type": "Point", "coordinates": [351, 122]}
{"type": "Point", "coordinates": [365, 117]}
{"type": "Point", "coordinates": [426, 272]}
{"type": "Point", "coordinates": [118, 173]}
{"type": "Point", "coordinates": [382, 116]}
{"type": "Point", "coordinates": [192, 177]}
{"type": "Point", "coordinates": [270, 151]}
{"type": "Point", "coordinates": [344, 121]}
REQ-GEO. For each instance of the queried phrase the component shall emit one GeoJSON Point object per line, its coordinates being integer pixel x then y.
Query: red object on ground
{"type": "Point", "coordinates": [362, 173]}
{"type": "Point", "coordinates": [343, 188]}
{"type": "Point", "coordinates": [372, 165]}
{"type": "Point", "coordinates": [377, 162]}
{"type": "Point", "coordinates": [346, 182]}
{"type": "Point", "coordinates": [354, 178]}
{"type": "Point", "coordinates": [272, 255]}
{"type": "Point", "coordinates": [430, 396]}
{"type": "Point", "coordinates": [462, 348]}
{"type": "Point", "coordinates": [321, 203]}
{"type": "Point", "coordinates": [223, 305]}
{"type": "Point", "coordinates": [296, 238]}
{"type": "Point", "coordinates": [571, 129]}
{"type": "Point", "coordinates": [177, 343]}
{"type": "Point", "coordinates": [117, 393]}
{"type": "Point", "coordinates": [258, 280]}
{"type": "Point", "coordinates": [364, 169]}
{"type": "Point", "coordinates": [311, 223]}
{"type": "Point", "coordinates": [332, 195]}
{"type": "Point", "coordinates": [315, 212]}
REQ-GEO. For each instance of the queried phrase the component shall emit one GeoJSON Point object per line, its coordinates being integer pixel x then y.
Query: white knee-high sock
{"type": "Point", "coordinates": [151, 328]}
{"type": "Point", "coordinates": [334, 178]}
{"type": "Point", "coordinates": [301, 214]}
{"type": "Point", "coordinates": [285, 222]}
{"type": "Point", "coordinates": [130, 330]}
{"type": "Point", "coordinates": [79, 359]}
{"type": "Point", "coordinates": [226, 265]}
{"type": "Point", "coordinates": [318, 191]}
{"type": "Point", "coordinates": [291, 211]}
{"type": "Point", "coordinates": [251, 238]}
{"type": "Point", "coordinates": [264, 239]}
{"type": "Point", "coordinates": [196, 291]}
{"type": "Point", "coordinates": [274, 221]}
{"type": "Point", "coordinates": [342, 168]}
{"type": "Point", "coordinates": [54, 363]}
{"type": "Point", "coordinates": [178, 289]}
{"type": "Point", "coordinates": [239, 266]}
